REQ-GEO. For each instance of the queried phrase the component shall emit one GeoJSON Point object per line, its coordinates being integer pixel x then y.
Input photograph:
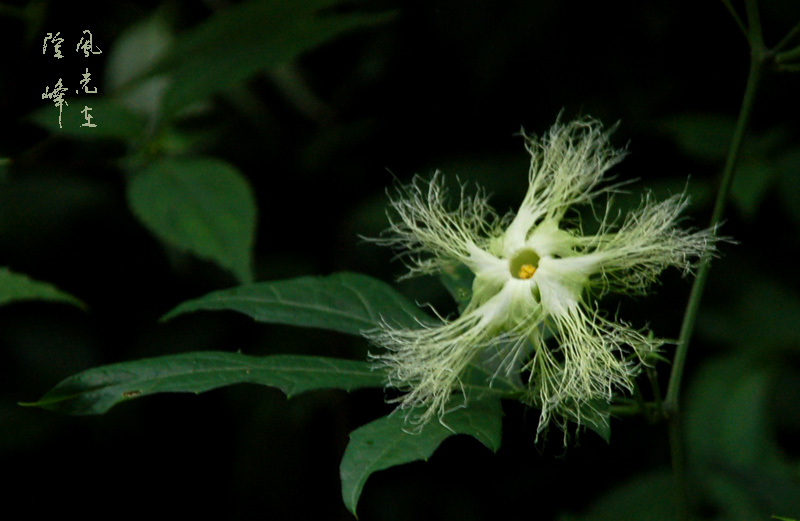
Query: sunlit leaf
{"type": "Point", "coordinates": [385, 442]}
{"type": "Point", "coordinates": [201, 205]}
{"type": "Point", "coordinates": [97, 390]}
{"type": "Point", "coordinates": [132, 55]}
{"type": "Point", "coordinates": [346, 302]}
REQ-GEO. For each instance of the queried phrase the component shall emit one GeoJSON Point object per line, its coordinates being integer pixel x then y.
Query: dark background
{"type": "Point", "coordinates": [443, 85]}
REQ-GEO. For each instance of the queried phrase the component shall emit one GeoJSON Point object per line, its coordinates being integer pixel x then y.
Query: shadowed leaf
{"type": "Point", "coordinates": [346, 302]}
{"type": "Point", "coordinates": [97, 390]}
{"type": "Point", "coordinates": [384, 443]}
{"type": "Point", "coordinates": [204, 206]}
{"type": "Point", "coordinates": [243, 39]}
{"type": "Point", "coordinates": [15, 287]}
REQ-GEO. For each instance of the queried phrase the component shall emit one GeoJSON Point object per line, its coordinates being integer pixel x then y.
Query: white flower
{"type": "Point", "coordinates": [536, 277]}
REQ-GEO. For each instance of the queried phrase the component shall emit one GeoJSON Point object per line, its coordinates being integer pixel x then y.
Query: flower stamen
{"type": "Point", "coordinates": [523, 264]}
{"type": "Point", "coordinates": [526, 271]}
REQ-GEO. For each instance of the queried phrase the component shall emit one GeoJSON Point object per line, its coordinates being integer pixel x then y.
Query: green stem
{"type": "Point", "coordinates": [788, 38]}
{"type": "Point", "coordinates": [759, 55]}
{"type": "Point", "coordinates": [637, 394]}
{"type": "Point", "coordinates": [673, 389]}
{"type": "Point", "coordinates": [646, 409]}
{"type": "Point", "coordinates": [671, 403]}
{"type": "Point", "coordinates": [656, 390]}
{"type": "Point", "coordinates": [788, 55]}
{"type": "Point", "coordinates": [736, 18]}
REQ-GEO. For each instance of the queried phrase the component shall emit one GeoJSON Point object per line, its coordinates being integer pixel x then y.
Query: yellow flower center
{"type": "Point", "coordinates": [523, 264]}
{"type": "Point", "coordinates": [526, 271]}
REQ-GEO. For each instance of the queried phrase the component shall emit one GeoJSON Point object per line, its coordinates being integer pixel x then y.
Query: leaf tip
{"type": "Point", "coordinates": [169, 315]}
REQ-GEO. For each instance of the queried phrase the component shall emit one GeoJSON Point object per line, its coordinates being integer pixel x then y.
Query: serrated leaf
{"type": "Point", "coordinates": [243, 39]}
{"type": "Point", "coordinates": [15, 287]}
{"type": "Point", "coordinates": [345, 302]}
{"type": "Point", "coordinates": [201, 205]}
{"type": "Point", "coordinates": [97, 390]}
{"type": "Point", "coordinates": [384, 443]}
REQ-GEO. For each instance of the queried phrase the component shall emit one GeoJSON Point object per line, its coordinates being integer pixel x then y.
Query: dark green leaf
{"type": "Point", "coordinates": [773, 489]}
{"type": "Point", "coordinates": [704, 136]}
{"type": "Point", "coordinates": [483, 377]}
{"type": "Point", "coordinates": [730, 415]}
{"type": "Point", "coordinates": [458, 281]}
{"type": "Point", "coordinates": [243, 39]}
{"type": "Point", "coordinates": [647, 496]}
{"type": "Point", "coordinates": [788, 168]}
{"type": "Point", "coordinates": [113, 119]}
{"type": "Point", "coordinates": [759, 313]}
{"type": "Point", "coordinates": [385, 443]}
{"type": "Point", "coordinates": [97, 390]}
{"type": "Point", "coordinates": [346, 302]}
{"type": "Point", "coordinates": [751, 184]}
{"type": "Point", "coordinates": [15, 287]}
{"type": "Point", "coordinates": [728, 497]}
{"type": "Point", "coordinates": [726, 414]}
{"type": "Point", "coordinates": [204, 206]}
{"type": "Point", "coordinates": [595, 417]}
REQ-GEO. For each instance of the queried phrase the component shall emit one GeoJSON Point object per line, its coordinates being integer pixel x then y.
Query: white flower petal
{"type": "Point", "coordinates": [548, 240]}
{"type": "Point", "coordinates": [567, 164]}
{"type": "Point", "coordinates": [424, 225]}
{"type": "Point", "coordinates": [533, 279]}
{"type": "Point", "coordinates": [561, 282]}
{"type": "Point", "coordinates": [648, 241]}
